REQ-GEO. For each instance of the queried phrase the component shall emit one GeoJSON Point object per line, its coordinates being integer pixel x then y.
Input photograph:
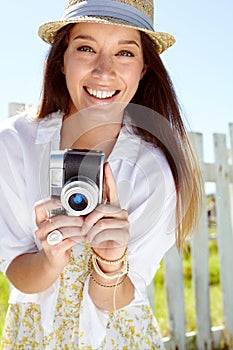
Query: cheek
{"type": "Point", "coordinates": [72, 75]}
{"type": "Point", "coordinates": [70, 67]}
{"type": "Point", "coordinates": [136, 72]}
{"type": "Point", "coordinates": [133, 78]}
{"type": "Point", "coordinates": [65, 64]}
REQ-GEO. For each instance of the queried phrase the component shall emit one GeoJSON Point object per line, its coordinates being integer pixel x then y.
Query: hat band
{"type": "Point", "coordinates": [109, 8]}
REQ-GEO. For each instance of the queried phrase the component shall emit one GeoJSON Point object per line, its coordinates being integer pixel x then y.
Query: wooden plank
{"type": "Point", "coordinates": [225, 235]}
{"type": "Point", "coordinates": [200, 267]}
{"type": "Point", "coordinates": [231, 140]}
{"type": "Point", "coordinates": [209, 172]}
{"type": "Point", "coordinates": [217, 333]}
{"type": "Point", "coordinates": [231, 167]}
{"type": "Point", "coordinates": [174, 284]}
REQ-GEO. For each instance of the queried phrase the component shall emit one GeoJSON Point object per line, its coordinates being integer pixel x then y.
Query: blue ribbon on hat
{"type": "Point", "coordinates": [109, 8]}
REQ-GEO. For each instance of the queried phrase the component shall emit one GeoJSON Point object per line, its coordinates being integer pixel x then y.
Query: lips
{"type": "Point", "coordinates": [100, 94]}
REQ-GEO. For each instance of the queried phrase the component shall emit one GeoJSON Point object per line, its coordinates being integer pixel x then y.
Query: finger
{"type": "Point", "coordinates": [70, 241]}
{"type": "Point", "coordinates": [43, 207]}
{"type": "Point", "coordinates": [65, 221]}
{"type": "Point", "coordinates": [107, 224]}
{"type": "Point", "coordinates": [57, 223]}
{"type": "Point", "coordinates": [110, 239]}
{"type": "Point", "coordinates": [110, 186]}
{"type": "Point", "coordinates": [53, 237]}
{"type": "Point", "coordinates": [59, 250]}
{"type": "Point", "coordinates": [74, 233]}
{"type": "Point", "coordinates": [67, 232]}
{"type": "Point", "coordinates": [104, 210]}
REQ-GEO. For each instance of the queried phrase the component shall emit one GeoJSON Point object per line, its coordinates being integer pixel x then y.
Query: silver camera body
{"type": "Point", "coordinates": [76, 177]}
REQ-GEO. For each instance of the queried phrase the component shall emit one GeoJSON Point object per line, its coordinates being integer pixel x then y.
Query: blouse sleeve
{"type": "Point", "coordinates": [16, 235]}
{"type": "Point", "coordinates": [146, 189]}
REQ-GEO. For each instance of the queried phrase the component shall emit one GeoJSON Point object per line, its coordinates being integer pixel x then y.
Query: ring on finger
{"type": "Point", "coordinates": [54, 237]}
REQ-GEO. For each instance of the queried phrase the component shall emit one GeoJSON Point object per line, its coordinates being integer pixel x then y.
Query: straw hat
{"type": "Point", "coordinates": [136, 14]}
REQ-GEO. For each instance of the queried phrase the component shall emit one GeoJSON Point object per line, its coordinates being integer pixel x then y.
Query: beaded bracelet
{"type": "Point", "coordinates": [110, 275]}
{"type": "Point", "coordinates": [108, 285]}
{"type": "Point", "coordinates": [111, 262]}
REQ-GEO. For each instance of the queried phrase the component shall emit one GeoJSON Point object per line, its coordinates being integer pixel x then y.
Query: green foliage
{"type": "Point", "coordinates": [4, 293]}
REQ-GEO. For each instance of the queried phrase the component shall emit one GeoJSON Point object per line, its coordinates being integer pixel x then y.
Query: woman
{"type": "Point", "coordinates": [105, 88]}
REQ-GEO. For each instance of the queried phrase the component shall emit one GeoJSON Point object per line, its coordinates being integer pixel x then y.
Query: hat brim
{"type": "Point", "coordinates": [48, 30]}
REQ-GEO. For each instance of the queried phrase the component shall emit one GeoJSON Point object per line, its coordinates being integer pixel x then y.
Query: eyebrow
{"type": "Point", "coordinates": [128, 42]}
{"type": "Point", "coordinates": [84, 37]}
{"type": "Point", "coordinates": [121, 42]}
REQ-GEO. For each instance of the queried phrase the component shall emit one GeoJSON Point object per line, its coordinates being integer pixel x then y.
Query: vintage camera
{"type": "Point", "coordinates": [76, 177]}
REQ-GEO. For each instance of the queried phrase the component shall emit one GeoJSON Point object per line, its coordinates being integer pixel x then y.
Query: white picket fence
{"type": "Point", "coordinates": [205, 336]}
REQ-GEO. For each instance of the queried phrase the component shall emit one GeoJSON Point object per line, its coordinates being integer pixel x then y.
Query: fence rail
{"type": "Point", "coordinates": [205, 337]}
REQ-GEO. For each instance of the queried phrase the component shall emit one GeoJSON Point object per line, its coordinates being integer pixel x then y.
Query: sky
{"type": "Point", "coordinates": [200, 63]}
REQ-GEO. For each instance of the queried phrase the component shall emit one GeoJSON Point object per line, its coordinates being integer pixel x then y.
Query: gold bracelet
{"type": "Point", "coordinates": [111, 262]}
{"type": "Point", "coordinates": [110, 275]}
{"type": "Point", "coordinates": [108, 285]}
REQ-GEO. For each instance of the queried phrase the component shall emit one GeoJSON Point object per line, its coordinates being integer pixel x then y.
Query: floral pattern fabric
{"type": "Point", "coordinates": [133, 327]}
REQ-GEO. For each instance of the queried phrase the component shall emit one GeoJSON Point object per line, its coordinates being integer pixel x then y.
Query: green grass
{"type": "Point", "coordinates": [4, 292]}
{"type": "Point", "coordinates": [160, 297]}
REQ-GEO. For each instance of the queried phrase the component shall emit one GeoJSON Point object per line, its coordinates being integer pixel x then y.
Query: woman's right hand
{"type": "Point", "coordinates": [57, 255]}
{"type": "Point", "coordinates": [36, 272]}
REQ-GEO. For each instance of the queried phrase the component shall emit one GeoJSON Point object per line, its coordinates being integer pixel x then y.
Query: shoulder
{"type": "Point", "coordinates": [17, 127]}
{"type": "Point", "coordinates": [25, 129]}
{"type": "Point", "coordinates": [148, 160]}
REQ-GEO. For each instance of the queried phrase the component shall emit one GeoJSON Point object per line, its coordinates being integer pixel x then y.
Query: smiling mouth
{"type": "Point", "coordinates": [101, 94]}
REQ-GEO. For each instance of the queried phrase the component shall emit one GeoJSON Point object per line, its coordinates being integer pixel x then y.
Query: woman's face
{"type": "Point", "coordinates": [102, 64]}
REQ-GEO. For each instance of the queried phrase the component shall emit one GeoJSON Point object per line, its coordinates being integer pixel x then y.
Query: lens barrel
{"type": "Point", "coordinates": [79, 196]}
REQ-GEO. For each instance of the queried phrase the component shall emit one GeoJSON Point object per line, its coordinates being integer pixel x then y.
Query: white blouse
{"type": "Point", "coordinates": [146, 189]}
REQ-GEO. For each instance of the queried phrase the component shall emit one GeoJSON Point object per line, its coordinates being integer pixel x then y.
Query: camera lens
{"type": "Point", "coordinates": [78, 201]}
{"type": "Point", "coordinates": [79, 196]}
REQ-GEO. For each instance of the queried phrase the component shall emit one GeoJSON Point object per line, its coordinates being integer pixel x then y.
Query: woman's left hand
{"type": "Point", "coordinates": [107, 227]}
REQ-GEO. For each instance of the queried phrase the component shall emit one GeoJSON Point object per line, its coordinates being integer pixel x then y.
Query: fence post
{"type": "Point", "coordinates": [231, 168]}
{"type": "Point", "coordinates": [174, 284]}
{"type": "Point", "coordinates": [225, 236]}
{"type": "Point", "coordinates": [200, 267]}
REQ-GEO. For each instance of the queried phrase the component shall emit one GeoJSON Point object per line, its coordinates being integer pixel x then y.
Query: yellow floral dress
{"type": "Point", "coordinates": [133, 327]}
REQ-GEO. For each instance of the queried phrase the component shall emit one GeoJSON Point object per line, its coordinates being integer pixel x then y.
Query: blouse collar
{"type": "Point", "coordinates": [49, 130]}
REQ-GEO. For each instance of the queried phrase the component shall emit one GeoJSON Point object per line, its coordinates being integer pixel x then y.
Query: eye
{"type": "Point", "coordinates": [85, 48]}
{"type": "Point", "coordinates": [125, 53]}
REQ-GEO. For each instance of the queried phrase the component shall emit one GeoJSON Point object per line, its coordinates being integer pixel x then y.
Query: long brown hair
{"type": "Point", "coordinates": [156, 117]}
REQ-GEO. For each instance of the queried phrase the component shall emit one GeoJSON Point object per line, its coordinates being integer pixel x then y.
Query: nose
{"type": "Point", "coordinates": [104, 67]}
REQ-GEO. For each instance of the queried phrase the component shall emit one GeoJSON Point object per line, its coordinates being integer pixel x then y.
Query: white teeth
{"type": "Point", "coordinates": [100, 94]}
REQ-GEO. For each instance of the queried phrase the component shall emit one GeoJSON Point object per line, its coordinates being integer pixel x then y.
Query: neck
{"type": "Point", "coordinates": [82, 133]}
